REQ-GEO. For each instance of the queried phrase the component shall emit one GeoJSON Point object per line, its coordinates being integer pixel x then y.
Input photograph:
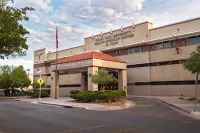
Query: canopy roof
{"type": "Point", "coordinates": [88, 55]}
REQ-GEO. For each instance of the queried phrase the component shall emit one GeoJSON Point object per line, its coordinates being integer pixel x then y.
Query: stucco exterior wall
{"type": "Point", "coordinates": [170, 30]}
{"type": "Point", "coordinates": [137, 35]}
{"type": "Point", "coordinates": [162, 90]}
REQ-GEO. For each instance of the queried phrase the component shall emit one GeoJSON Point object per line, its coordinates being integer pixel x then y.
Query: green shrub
{"type": "Point", "coordinates": [28, 93]}
{"type": "Point", "coordinates": [14, 92]}
{"type": "Point", "coordinates": [107, 96]}
{"type": "Point", "coordinates": [74, 91]}
{"type": "Point", "coordinates": [86, 96]}
{"type": "Point", "coordinates": [44, 93]}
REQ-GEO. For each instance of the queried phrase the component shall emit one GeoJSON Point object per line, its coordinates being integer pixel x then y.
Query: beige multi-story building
{"type": "Point", "coordinates": [153, 57]}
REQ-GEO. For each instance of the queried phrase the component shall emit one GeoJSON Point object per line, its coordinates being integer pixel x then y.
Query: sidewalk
{"type": "Point", "coordinates": [70, 103]}
{"type": "Point", "coordinates": [181, 104]}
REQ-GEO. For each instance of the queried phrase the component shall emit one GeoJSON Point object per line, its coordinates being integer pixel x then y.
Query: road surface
{"type": "Point", "coordinates": [147, 117]}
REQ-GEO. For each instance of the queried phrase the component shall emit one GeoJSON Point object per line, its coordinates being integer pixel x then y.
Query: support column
{"type": "Point", "coordinates": [53, 82]}
{"type": "Point", "coordinates": [91, 86]}
{"type": "Point", "coordinates": [83, 85]}
{"type": "Point", "coordinates": [122, 80]}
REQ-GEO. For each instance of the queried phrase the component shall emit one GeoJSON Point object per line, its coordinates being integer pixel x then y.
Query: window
{"type": "Point", "coordinates": [152, 48]}
{"type": "Point", "coordinates": [118, 52]}
{"type": "Point", "coordinates": [174, 44]}
{"type": "Point", "coordinates": [198, 39]}
{"type": "Point", "coordinates": [134, 50]}
{"type": "Point", "coordinates": [137, 49]}
{"type": "Point", "coordinates": [183, 42]}
{"type": "Point", "coordinates": [158, 46]}
{"type": "Point", "coordinates": [131, 50]}
{"type": "Point", "coordinates": [192, 40]}
{"type": "Point", "coordinates": [125, 51]}
{"type": "Point", "coordinates": [145, 48]}
{"type": "Point", "coordinates": [166, 45]}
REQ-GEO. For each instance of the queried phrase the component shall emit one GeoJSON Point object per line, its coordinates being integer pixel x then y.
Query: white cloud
{"type": "Point", "coordinates": [28, 64]}
{"type": "Point", "coordinates": [78, 19]}
{"type": "Point", "coordinates": [39, 5]}
{"type": "Point", "coordinates": [34, 18]}
{"type": "Point", "coordinates": [119, 4]}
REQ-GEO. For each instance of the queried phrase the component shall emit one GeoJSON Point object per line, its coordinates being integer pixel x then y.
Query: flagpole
{"type": "Point", "coordinates": [56, 82]}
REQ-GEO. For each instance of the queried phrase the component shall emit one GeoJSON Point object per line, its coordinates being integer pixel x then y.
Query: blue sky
{"type": "Point", "coordinates": [78, 19]}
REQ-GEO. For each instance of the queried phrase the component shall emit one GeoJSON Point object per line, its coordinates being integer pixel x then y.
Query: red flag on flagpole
{"type": "Point", "coordinates": [56, 37]}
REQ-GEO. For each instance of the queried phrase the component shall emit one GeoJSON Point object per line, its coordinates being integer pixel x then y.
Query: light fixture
{"type": "Point", "coordinates": [102, 34]}
{"type": "Point", "coordinates": [122, 28]}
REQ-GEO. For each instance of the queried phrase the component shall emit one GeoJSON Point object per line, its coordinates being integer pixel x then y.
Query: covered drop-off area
{"type": "Point", "coordinates": [87, 64]}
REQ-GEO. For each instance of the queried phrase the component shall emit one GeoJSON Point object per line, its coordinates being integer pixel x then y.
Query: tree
{"type": "Point", "coordinates": [12, 33]}
{"type": "Point", "coordinates": [20, 78]}
{"type": "Point", "coordinates": [102, 77]}
{"type": "Point", "coordinates": [5, 77]}
{"type": "Point", "coordinates": [192, 64]}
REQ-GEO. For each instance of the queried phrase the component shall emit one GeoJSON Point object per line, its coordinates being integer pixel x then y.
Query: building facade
{"type": "Point", "coordinates": [153, 57]}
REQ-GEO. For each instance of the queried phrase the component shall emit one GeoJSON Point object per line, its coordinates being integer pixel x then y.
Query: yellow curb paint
{"type": "Point", "coordinates": [124, 131]}
{"type": "Point", "coordinates": [116, 107]}
{"type": "Point", "coordinates": [11, 97]}
{"type": "Point", "coordinates": [194, 114]}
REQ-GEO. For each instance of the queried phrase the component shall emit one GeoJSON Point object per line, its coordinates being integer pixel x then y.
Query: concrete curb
{"type": "Point", "coordinates": [172, 105]}
{"type": "Point", "coordinates": [64, 106]}
{"type": "Point", "coordinates": [126, 104]}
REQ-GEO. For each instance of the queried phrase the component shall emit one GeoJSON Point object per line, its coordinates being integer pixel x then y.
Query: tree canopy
{"type": "Point", "coordinates": [102, 77]}
{"type": "Point", "coordinates": [5, 77]}
{"type": "Point", "coordinates": [20, 78]}
{"type": "Point", "coordinates": [12, 33]}
{"type": "Point", "coordinates": [192, 64]}
{"type": "Point", "coordinates": [16, 78]}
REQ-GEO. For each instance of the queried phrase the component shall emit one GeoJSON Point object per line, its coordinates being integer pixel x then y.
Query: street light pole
{"type": "Point", "coordinates": [40, 91]}
{"type": "Point", "coordinates": [195, 92]}
{"type": "Point", "coordinates": [40, 72]}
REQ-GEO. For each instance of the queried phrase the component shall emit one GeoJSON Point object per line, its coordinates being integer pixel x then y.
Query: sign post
{"type": "Point", "coordinates": [40, 82]}
{"type": "Point", "coordinates": [195, 92]}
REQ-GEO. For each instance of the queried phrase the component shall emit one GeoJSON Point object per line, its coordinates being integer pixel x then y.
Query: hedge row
{"type": "Point", "coordinates": [106, 96]}
{"type": "Point", "coordinates": [35, 94]}
{"type": "Point", "coordinates": [13, 92]}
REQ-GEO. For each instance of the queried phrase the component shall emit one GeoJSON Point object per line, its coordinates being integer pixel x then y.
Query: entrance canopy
{"type": "Point", "coordinates": [89, 59]}
{"type": "Point", "coordinates": [88, 64]}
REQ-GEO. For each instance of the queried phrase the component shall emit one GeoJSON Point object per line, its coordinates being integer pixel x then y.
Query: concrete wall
{"type": "Point", "coordinates": [65, 52]}
{"type": "Point", "coordinates": [135, 58]}
{"type": "Point", "coordinates": [70, 79]}
{"type": "Point", "coordinates": [171, 54]}
{"type": "Point", "coordinates": [170, 30]}
{"type": "Point", "coordinates": [140, 32]}
{"type": "Point", "coordinates": [63, 92]}
{"type": "Point", "coordinates": [162, 90]}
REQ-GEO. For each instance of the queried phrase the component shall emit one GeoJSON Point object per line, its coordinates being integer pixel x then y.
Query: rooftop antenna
{"type": "Point", "coordinates": [111, 31]}
{"type": "Point", "coordinates": [122, 28]}
{"type": "Point", "coordinates": [101, 33]}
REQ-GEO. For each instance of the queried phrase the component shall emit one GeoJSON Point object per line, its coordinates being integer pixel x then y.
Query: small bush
{"type": "Point", "coordinates": [86, 96]}
{"type": "Point", "coordinates": [74, 91]}
{"type": "Point", "coordinates": [44, 93]}
{"type": "Point", "coordinates": [14, 92]}
{"type": "Point", "coordinates": [107, 96]}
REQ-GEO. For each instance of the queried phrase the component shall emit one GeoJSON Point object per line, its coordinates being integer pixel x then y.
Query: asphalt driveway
{"type": "Point", "coordinates": [147, 117]}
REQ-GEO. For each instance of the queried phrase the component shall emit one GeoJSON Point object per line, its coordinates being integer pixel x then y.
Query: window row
{"type": "Point", "coordinates": [186, 82]}
{"type": "Point", "coordinates": [158, 46]}
{"type": "Point", "coordinates": [173, 62]}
